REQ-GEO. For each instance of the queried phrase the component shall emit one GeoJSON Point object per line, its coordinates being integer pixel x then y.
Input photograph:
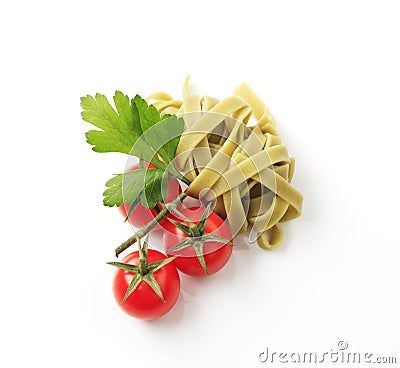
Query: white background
{"type": "Point", "coordinates": [328, 70]}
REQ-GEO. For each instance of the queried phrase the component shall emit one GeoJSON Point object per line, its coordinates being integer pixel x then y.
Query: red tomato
{"type": "Point", "coordinates": [141, 216]}
{"type": "Point", "coordinates": [144, 303]}
{"type": "Point", "coordinates": [215, 254]}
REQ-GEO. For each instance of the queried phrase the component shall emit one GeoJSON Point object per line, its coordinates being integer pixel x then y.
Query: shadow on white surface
{"type": "Point", "coordinates": [174, 316]}
{"type": "Point", "coordinates": [194, 287]}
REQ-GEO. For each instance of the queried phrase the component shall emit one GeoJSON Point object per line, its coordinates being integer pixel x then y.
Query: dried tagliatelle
{"type": "Point", "coordinates": [232, 154]}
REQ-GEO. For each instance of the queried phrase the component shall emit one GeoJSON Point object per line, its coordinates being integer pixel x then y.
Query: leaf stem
{"type": "Point", "coordinates": [185, 180]}
{"type": "Point", "coordinates": [146, 229]}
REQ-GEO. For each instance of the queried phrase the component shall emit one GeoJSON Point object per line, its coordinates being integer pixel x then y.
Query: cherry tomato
{"type": "Point", "coordinates": [142, 215]}
{"type": "Point", "coordinates": [216, 254]}
{"type": "Point", "coordinates": [144, 303]}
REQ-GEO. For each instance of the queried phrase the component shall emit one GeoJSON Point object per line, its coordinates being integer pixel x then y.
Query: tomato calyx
{"type": "Point", "coordinates": [143, 272]}
{"type": "Point", "coordinates": [196, 236]}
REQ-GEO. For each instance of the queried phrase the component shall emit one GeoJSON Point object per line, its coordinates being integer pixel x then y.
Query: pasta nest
{"type": "Point", "coordinates": [241, 165]}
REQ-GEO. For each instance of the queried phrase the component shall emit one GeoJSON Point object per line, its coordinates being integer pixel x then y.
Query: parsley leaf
{"type": "Point", "coordinates": [117, 188]}
{"type": "Point", "coordinates": [148, 114]}
{"type": "Point", "coordinates": [135, 128]}
{"type": "Point", "coordinates": [156, 189]}
{"type": "Point", "coordinates": [119, 130]}
{"type": "Point", "coordinates": [146, 184]}
{"type": "Point", "coordinates": [163, 138]}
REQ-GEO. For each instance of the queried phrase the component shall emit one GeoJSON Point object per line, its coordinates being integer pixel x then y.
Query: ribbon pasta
{"type": "Point", "coordinates": [245, 168]}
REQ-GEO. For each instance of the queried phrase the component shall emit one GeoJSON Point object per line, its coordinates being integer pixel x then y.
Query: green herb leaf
{"type": "Point", "coordinates": [133, 183]}
{"type": "Point", "coordinates": [132, 208]}
{"type": "Point", "coordinates": [134, 127]}
{"type": "Point", "coordinates": [163, 139]}
{"type": "Point", "coordinates": [148, 113]}
{"type": "Point", "coordinates": [119, 130]}
{"type": "Point", "coordinates": [169, 131]}
{"type": "Point", "coordinates": [166, 116]}
{"type": "Point", "coordinates": [155, 190]}
{"type": "Point", "coordinates": [127, 187]}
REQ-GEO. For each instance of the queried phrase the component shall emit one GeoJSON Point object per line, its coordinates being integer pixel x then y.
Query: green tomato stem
{"type": "Point", "coordinates": [146, 229]}
{"type": "Point", "coordinates": [172, 209]}
{"type": "Point", "coordinates": [195, 231]}
{"type": "Point", "coordinates": [193, 227]}
{"type": "Point", "coordinates": [143, 260]}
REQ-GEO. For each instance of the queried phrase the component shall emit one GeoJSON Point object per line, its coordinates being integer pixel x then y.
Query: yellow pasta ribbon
{"type": "Point", "coordinates": [245, 169]}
